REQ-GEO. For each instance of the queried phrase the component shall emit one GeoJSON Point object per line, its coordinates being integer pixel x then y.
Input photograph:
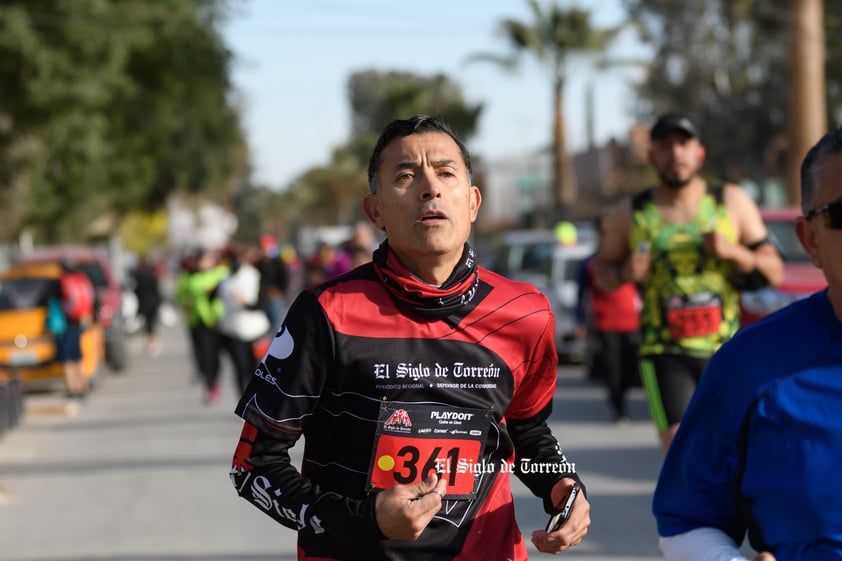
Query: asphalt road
{"type": "Point", "coordinates": [140, 473]}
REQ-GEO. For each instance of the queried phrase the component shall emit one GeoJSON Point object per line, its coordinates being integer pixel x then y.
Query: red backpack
{"type": "Point", "coordinates": [77, 298]}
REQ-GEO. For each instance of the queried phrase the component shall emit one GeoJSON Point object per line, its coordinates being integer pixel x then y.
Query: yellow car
{"type": "Point", "coordinates": [27, 348]}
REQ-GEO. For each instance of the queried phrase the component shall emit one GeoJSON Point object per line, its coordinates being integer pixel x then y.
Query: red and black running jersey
{"type": "Point", "coordinates": [383, 395]}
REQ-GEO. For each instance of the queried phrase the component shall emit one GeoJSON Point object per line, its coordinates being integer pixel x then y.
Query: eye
{"type": "Point", "coordinates": [405, 177]}
{"type": "Point", "coordinates": [446, 173]}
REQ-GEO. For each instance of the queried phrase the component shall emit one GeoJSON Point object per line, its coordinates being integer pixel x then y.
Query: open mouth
{"type": "Point", "coordinates": [432, 216]}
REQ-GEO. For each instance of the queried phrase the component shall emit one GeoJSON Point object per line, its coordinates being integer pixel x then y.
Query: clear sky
{"type": "Point", "coordinates": [294, 59]}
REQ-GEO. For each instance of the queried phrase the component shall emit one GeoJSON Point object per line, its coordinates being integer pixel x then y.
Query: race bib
{"type": "Point", "coordinates": [696, 315]}
{"type": "Point", "coordinates": [413, 440]}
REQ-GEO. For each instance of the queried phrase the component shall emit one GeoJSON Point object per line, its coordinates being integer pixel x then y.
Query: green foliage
{"type": "Point", "coordinates": [110, 106]}
{"type": "Point", "coordinates": [332, 194]}
{"type": "Point", "coordinates": [378, 97]}
{"type": "Point", "coordinates": [555, 36]}
{"type": "Point", "coordinates": [144, 233]}
{"type": "Point", "coordinates": [725, 63]}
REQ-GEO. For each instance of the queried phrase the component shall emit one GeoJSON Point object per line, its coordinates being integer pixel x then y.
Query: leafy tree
{"type": "Point", "coordinates": [555, 38]}
{"type": "Point", "coordinates": [180, 75]}
{"type": "Point", "coordinates": [145, 232]}
{"type": "Point", "coordinates": [332, 194]}
{"type": "Point", "coordinates": [378, 97]}
{"type": "Point", "coordinates": [107, 106]}
{"type": "Point", "coordinates": [56, 84]}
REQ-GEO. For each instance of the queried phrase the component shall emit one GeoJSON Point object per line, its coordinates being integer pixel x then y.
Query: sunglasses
{"type": "Point", "coordinates": [832, 214]}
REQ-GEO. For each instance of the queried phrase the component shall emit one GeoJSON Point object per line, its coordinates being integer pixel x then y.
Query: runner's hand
{"type": "Point", "coordinates": [765, 556]}
{"type": "Point", "coordinates": [405, 510]}
{"type": "Point", "coordinates": [571, 532]}
{"type": "Point", "coordinates": [717, 245]}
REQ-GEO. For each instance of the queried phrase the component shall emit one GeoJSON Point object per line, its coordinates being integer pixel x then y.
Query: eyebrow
{"type": "Point", "coordinates": [444, 163]}
{"type": "Point", "coordinates": [412, 164]}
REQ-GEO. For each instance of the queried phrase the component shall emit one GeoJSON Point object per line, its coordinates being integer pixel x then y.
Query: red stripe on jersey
{"type": "Point", "coordinates": [242, 453]}
{"type": "Point", "coordinates": [512, 320]}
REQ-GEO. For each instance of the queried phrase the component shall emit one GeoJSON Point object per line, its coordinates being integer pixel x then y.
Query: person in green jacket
{"type": "Point", "coordinates": [196, 293]}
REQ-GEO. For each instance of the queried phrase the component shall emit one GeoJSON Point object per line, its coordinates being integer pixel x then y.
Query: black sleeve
{"type": "Point", "coordinates": [539, 460]}
{"type": "Point", "coordinates": [281, 396]}
{"type": "Point", "coordinates": [264, 475]}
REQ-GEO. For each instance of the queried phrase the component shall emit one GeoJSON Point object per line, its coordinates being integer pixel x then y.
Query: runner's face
{"type": "Point", "coordinates": [676, 158]}
{"type": "Point", "coordinates": [425, 203]}
{"type": "Point", "coordinates": [822, 243]}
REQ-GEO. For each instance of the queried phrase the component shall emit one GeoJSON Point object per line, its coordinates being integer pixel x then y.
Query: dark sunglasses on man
{"type": "Point", "coordinates": [832, 214]}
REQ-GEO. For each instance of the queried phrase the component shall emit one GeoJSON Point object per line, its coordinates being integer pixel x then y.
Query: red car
{"type": "Point", "coordinates": [801, 277]}
{"type": "Point", "coordinates": [108, 298]}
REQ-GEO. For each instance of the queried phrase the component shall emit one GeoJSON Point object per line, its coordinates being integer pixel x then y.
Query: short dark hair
{"type": "Point", "coordinates": [829, 145]}
{"type": "Point", "coordinates": [416, 124]}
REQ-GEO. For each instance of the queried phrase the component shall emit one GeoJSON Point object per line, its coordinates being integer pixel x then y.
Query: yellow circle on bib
{"type": "Point", "coordinates": [386, 463]}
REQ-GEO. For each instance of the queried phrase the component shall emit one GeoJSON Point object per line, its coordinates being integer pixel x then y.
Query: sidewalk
{"type": "Point", "coordinates": [140, 473]}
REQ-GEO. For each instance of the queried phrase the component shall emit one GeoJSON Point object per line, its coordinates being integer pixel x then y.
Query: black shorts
{"type": "Point", "coordinates": [68, 344]}
{"type": "Point", "coordinates": [670, 381]}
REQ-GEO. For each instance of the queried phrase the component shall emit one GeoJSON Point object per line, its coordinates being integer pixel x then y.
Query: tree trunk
{"type": "Point", "coordinates": [565, 176]}
{"type": "Point", "coordinates": [807, 113]}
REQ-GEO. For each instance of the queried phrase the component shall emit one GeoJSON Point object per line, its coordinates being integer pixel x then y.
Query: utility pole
{"type": "Point", "coordinates": [807, 112]}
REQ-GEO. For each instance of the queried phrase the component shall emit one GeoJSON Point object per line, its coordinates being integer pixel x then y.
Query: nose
{"type": "Point", "coordinates": [431, 186]}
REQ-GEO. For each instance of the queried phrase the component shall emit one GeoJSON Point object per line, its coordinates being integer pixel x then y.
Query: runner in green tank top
{"type": "Point", "coordinates": [690, 246]}
{"type": "Point", "coordinates": [691, 305]}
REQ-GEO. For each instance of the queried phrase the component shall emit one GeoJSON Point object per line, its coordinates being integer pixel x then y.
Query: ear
{"type": "Point", "coordinates": [371, 208]}
{"type": "Point", "coordinates": [702, 154]}
{"type": "Point", "coordinates": [476, 201]}
{"type": "Point", "coordinates": [807, 236]}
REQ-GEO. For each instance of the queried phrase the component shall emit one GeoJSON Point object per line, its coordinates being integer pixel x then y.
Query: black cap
{"type": "Point", "coordinates": [669, 122]}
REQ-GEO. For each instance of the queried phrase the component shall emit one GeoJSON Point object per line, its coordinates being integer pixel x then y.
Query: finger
{"type": "Point", "coordinates": [441, 487]}
{"type": "Point", "coordinates": [431, 495]}
{"type": "Point", "coordinates": [424, 486]}
{"type": "Point", "coordinates": [544, 544]}
{"type": "Point", "coordinates": [431, 501]}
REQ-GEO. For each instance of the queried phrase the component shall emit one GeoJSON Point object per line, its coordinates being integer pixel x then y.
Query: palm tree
{"type": "Point", "coordinates": [554, 37]}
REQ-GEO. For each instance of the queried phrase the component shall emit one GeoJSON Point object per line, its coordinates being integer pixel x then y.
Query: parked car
{"type": "Point", "coordinates": [801, 277]}
{"type": "Point", "coordinates": [27, 348]}
{"type": "Point", "coordinates": [108, 299]}
{"type": "Point", "coordinates": [537, 257]}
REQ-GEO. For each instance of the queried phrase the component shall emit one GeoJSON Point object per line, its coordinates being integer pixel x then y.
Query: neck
{"type": "Point", "coordinates": [432, 269]}
{"type": "Point", "coordinates": [688, 194]}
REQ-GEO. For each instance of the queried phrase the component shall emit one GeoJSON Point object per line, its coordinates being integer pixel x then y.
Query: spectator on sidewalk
{"type": "Point", "coordinates": [148, 292]}
{"type": "Point", "coordinates": [274, 280]}
{"type": "Point", "coordinates": [197, 293]}
{"type": "Point", "coordinates": [77, 302]}
{"type": "Point", "coordinates": [243, 320]}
